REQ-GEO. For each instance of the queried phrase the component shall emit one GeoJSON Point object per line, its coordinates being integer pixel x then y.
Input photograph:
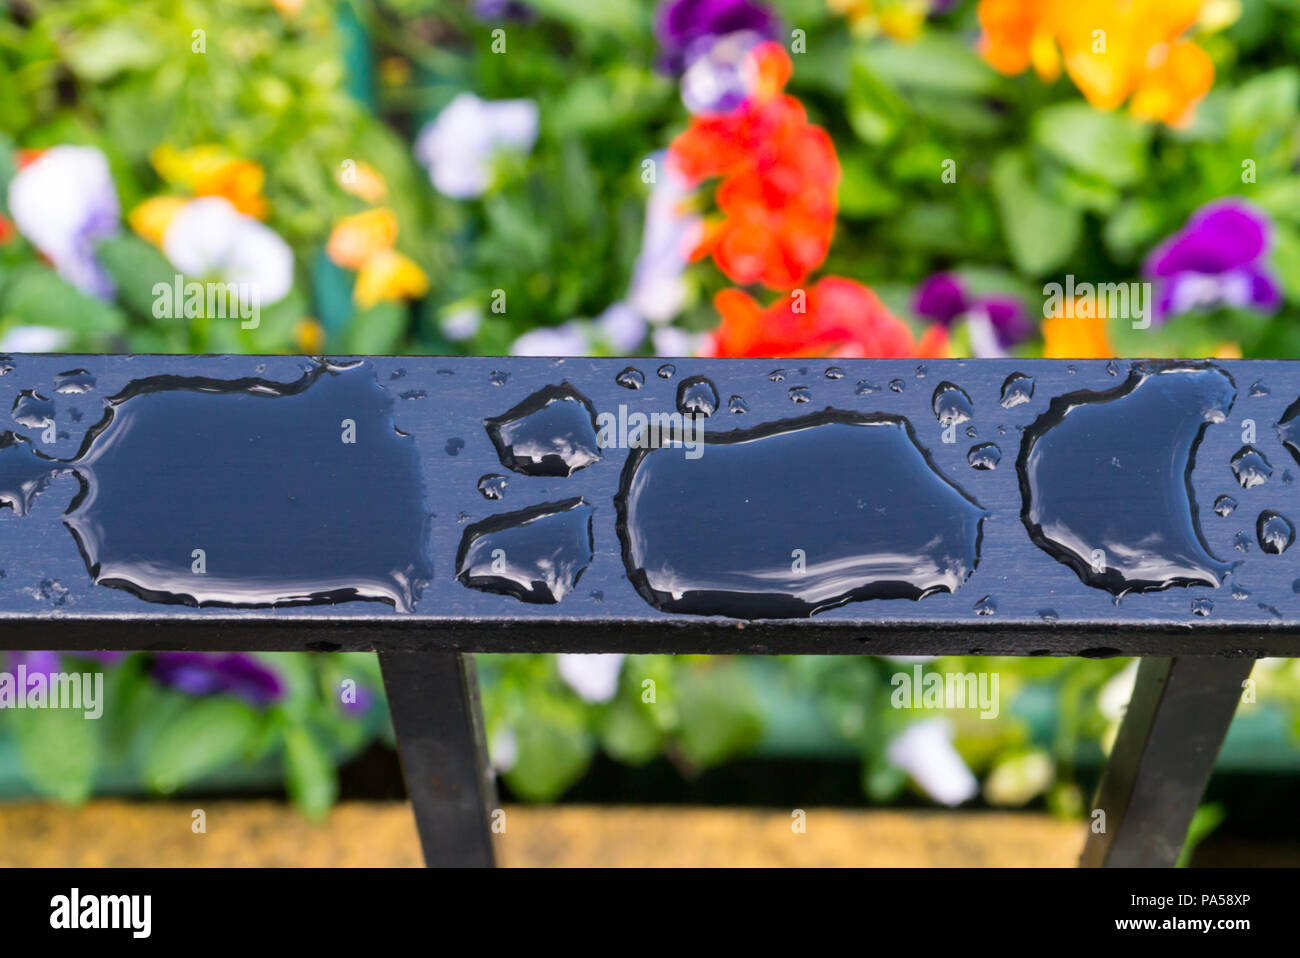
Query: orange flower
{"type": "Point", "coordinates": [1075, 333]}
{"type": "Point", "coordinates": [209, 170]}
{"type": "Point", "coordinates": [362, 181]}
{"type": "Point", "coordinates": [836, 317]}
{"type": "Point", "coordinates": [779, 180]}
{"type": "Point", "coordinates": [1113, 50]}
{"type": "Point", "coordinates": [357, 238]}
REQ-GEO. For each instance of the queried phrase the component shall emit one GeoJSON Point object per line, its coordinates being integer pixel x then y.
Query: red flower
{"type": "Point", "coordinates": [836, 317]}
{"type": "Point", "coordinates": [779, 180]}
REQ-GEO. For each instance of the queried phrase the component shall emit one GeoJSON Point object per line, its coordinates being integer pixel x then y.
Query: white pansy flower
{"type": "Point", "coordinates": [457, 146]}
{"type": "Point", "coordinates": [210, 239]}
{"type": "Point", "coordinates": [924, 750]}
{"type": "Point", "coordinates": [64, 202]}
{"type": "Point", "coordinates": [593, 676]}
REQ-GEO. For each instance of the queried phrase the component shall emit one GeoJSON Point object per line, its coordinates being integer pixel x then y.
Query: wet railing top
{"type": "Point", "coordinates": [990, 506]}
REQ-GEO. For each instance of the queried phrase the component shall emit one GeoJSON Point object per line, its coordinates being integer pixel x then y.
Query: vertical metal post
{"type": "Point", "coordinates": [1162, 758]}
{"type": "Point", "coordinates": [433, 697]}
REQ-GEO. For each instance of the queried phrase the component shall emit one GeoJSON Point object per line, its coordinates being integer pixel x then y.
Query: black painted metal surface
{"type": "Point", "coordinates": [1161, 760]}
{"type": "Point", "coordinates": [1015, 597]}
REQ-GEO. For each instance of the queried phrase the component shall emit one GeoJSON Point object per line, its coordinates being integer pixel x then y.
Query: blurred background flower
{"type": "Point", "coordinates": [855, 178]}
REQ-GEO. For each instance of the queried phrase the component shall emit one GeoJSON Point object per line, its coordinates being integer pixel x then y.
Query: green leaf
{"type": "Point", "coordinates": [875, 110]}
{"type": "Point", "coordinates": [1264, 103]}
{"type": "Point", "coordinates": [136, 267]}
{"type": "Point", "coordinates": [378, 330]}
{"type": "Point", "coordinates": [38, 296]}
{"type": "Point", "coordinates": [934, 62]}
{"type": "Point", "coordinates": [1109, 145]}
{"type": "Point", "coordinates": [211, 733]}
{"type": "Point", "coordinates": [719, 715]}
{"type": "Point", "coordinates": [553, 748]}
{"type": "Point", "coordinates": [619, 17]}
{"type": "Point", "coordinates": [1041, 233]}
{"type": "Point", "coordinates": [309, 770]}
{"type": "Point", "coordinates": [59, 750]}
{"type": "Point", "coordinates": [629, 732]}
{"type": "Point", "coordinates": [99, 54]}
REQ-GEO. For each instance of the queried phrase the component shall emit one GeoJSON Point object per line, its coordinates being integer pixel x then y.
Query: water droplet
{"type": "Point", "coordinates": [1049, 615]}
{"type": "Point", "coordinates": [951, 404]}
{"type": "Point", "coordinates": [454, 445]}
{"type": "Point", "coordinates": [397, 374]}
{"type": "Point", "coordinates": [1071, 370]}
{"type": "Point", "coordinates": [971, 432]}
{"type": "Point", "coordinates": [630, 378]}
{"type": "Point", "coordinates": [535, 555]}
{"type": "Point", "coordinates": [492, 486]}
{"type": "Point", "coordinates": [1112, 368]}
{"type": "Point", "coordinates": [761, 525]}
{"type": "Point", "coordinates": [696, 396]}
{"type": "Point", "coordinates": [50, 591]}
{"type": "Point", "coordinates": [1251, 467]}
{"type": "Point", "coordinates": [1241, 542]}
{"type": "Point", "coordinates": [738, 405]}
{"type": "Point", "coordinates": [834, 372]}
{"type": "Point", "coordinates": [800, 394]}
{"type": "Point", "coordinates": [986, 606]}
{"type": "Point", "coordinates": [498, 378]}
{"type": "Point", "coordinates": [667, 371]}
{"type": "Point", "coordinates": [551, 433]}
{"type": "Point", "coordinates": [1258, 390]}
{"type": "Point", "coordinates": [1263, 607]}
{"type": "Point", "coordinates": [1133, 529]}
{"type": "Point", "coordinates": [920, 372]}
{"type": "Point", "coordinates": [24, 472]}
{"type": "Point", "coordinates": [897, 385]}
{"type": "Point", "coordinates": [986, 455]}
{"type": "Point", "coordinates": [1224, 505]}
{"type": "Point", "coordinates": [414, 394]}
{"type": "Point", "coordinates": [181, 463]}
{"type": "Point", "coordinates": [1274, 531]}
{"type": "Point", "coordinates": [33, 410]}
{"type": "Point", "coordinates": [1240, 592]}
{"type": "Point", "coordinates": [1202, 606]}
{"type": "Point", "coordinates": [75, 382]}
{"type": "Point", "coordinates": [776, 376]}
{"type": "Point", "coordinates": [1295, 586]}
{"type": "Point", "coordinates": [1017, 389]}
{"type": "Point", "coordinates": [865, 388]}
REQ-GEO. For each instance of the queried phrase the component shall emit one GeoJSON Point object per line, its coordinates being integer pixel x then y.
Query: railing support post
{"type": "Point", "coordinates": [1162, 758]}
{"type": "Point", "coordinates": [434, 700]}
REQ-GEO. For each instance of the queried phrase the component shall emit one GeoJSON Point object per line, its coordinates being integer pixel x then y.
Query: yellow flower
{"type": "Point", "coordinates": [1227, 350]}
{"type": "Point", "coordinates": [210, 170]}
{"type": "Point", "coordinates": [289, 8]}
{"type": "Point", "coordinates": [309, 335]}
{"type": "Point", "coordinates": [389, 275]}
{"type": "Point", "coordinates": [900, 19]}
{"type": "Point", "coordinates": [151, 218]}
{"type": "Point", "coordinates": [358, 238]}
{"type": "Point", "coordinates": [1068, 335]}
{"type": "Point", "coordinates": [1113, 50]}
{"type": "Point", "coordinates": [362, 181]}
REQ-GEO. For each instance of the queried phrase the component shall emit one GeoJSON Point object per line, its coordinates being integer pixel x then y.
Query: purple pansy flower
{"type": "Point", "coordinates": [1218, 259]}
{"type": "Point", "coordinates": [721, 76]}
{"type": "Point", "coordinates": [687, 28]}
{"type": "Point", "coordinates": [944, 299]}
{"type": "Point", "coordinates": [496, 11]}
{"type": "Point", "coordinates": [64, 202]}
{"type": "Point", "coordinates": [201, 673]}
